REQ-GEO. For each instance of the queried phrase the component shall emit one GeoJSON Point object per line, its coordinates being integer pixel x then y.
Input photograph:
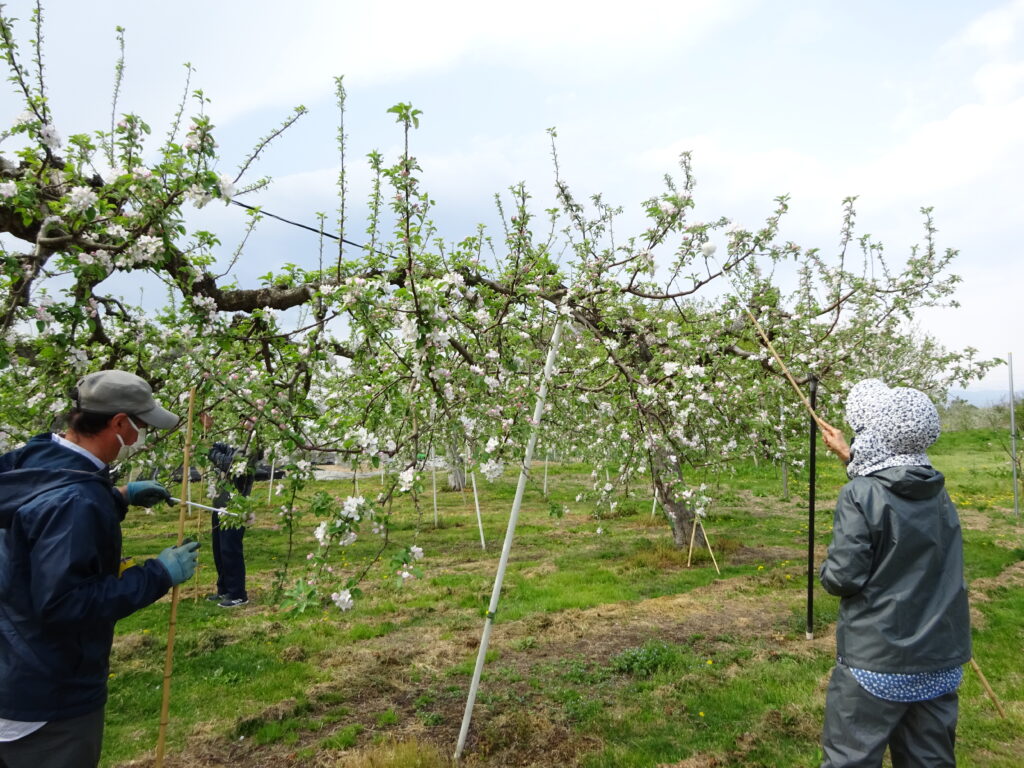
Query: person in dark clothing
{"type": "Point", "coordinates": [227, 536]}
{"type": "Point", "coordinates": [896, 563]}
{"type": "Point", "coordinates": [61, 585]}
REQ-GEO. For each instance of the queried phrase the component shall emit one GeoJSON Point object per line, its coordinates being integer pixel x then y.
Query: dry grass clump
{"type": "Point", "coordinates": [404, 754]}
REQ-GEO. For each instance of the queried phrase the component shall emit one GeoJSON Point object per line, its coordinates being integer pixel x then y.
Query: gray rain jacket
{"type": "Point", "coordinates": [896, 557]}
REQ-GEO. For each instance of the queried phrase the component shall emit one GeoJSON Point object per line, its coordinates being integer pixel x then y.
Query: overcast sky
{"type": "Point", "coordinates": [904, 104]}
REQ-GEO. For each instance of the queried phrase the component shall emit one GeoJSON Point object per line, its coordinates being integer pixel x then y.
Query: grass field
{"type": "Point", "coordinates": [607, 650]}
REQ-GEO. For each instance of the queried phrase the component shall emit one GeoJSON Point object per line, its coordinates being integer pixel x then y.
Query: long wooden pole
{"type": "Point", "coordinates": [988, 689]}
{"type": "Point", "coordinates": [785, 370]}
{"type": "Point", "coordinates": [172, 626]}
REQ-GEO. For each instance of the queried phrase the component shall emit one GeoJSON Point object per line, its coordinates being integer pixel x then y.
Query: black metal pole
{"type": "Point", "coordinates": [813, 471]}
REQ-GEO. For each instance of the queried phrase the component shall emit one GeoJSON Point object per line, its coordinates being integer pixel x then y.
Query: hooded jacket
{"type": "Point", "coordinates": [60, 594]}
{"type": "Point", "coordinates": [896, 557]}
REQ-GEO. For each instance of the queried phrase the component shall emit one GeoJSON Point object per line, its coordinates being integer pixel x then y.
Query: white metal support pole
{"type": "Point", "coordinates": [654, 503]}
{"type": "Point", "coordinates": [547, 456]}
{"type": "Point", "coordinates": [270, 488]}
{"type": "Point", "coordinates": [1013, 440]}
{"type": "Point", "coordinates": [506, 550]}
{"type": "Point", "coordinates": [785, 458]}
{"type": "Point", "coordinates": [479, 520]}
{"type": "Point", "coordinates": [433, 482]}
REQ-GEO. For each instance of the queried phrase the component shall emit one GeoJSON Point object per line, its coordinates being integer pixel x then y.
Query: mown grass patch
{"type": "Point", "coordinates": [600, 649]}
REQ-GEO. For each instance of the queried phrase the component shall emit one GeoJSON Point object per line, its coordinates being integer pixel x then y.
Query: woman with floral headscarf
{"type": "Point", "coordinates": [896, 563]}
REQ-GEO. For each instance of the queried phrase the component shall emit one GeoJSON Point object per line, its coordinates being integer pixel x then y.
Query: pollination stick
{"type": "Point", "coordinates": [988, 689]}
{"type": "Point", "coordinates": [785, 370]}
{"type": "Point", "coordinates": [172, 626]}
{"type": "Point", "coordinates": [218, 510]}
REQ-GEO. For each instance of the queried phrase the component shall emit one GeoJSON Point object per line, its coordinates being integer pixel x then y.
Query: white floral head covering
{"type": "Point", "coordinates": [892, 427]}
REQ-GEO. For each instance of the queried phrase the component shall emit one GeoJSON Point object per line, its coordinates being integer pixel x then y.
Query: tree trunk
{"type": "Point", "coordinates": [456, 470]}
{"type": "Point", "coordinates": [678, 513]}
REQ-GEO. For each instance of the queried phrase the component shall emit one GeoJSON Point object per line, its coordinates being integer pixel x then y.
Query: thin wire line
{"type": "Point", "coordinates": [264, 212]}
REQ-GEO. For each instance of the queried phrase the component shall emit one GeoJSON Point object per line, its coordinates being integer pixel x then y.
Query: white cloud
{"type": "Point", "coordinates": [996, 30]}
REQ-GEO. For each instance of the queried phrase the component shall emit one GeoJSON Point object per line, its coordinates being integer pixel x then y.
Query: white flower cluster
{"type": "Point", "coordinates": [492, 469]}
{"type": "Point", "coordinates": [96, 257]}
{"type": "Point", "coordinates": [208, 305]}
{"type": "Point", "coordinates": [142, 251]}
{"type": "Point", "coordinates": [50, 138]}
{"type": "Point", "coordinates": [365, 440]}
{"type": "Point", "coordinates": [320, 534]}
{"type": "Point", "coordinates": [80, 199]}
{"type": "Point", "coordinates": [351, 507]}
{"type": "Point", "coordinates": [343, 600]}
{"type": "Point", "coordinates": [8, 189]}
{"type": "Point", "coordinates": [227, 188]}
{"type": "Point", "coordinates": [198, 195]}
{"type": "Point", "coordinates": [406, 479]}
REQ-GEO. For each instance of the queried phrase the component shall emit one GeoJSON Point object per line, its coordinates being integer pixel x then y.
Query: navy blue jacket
{"type": "Point", "coordinates": [60, 594]}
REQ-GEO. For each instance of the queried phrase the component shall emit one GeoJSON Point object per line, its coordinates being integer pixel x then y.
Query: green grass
{"type": "Point", "coordinates": [600, 648]}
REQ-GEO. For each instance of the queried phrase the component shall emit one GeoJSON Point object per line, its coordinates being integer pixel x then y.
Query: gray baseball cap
{"type": "Point", "coordinates": [110, 392]}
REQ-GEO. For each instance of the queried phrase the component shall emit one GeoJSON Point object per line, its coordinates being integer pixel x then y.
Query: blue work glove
{"type": "Point", "coordinates": [147, 493]}
{"type": "Point", "coordinates": [180, 562]}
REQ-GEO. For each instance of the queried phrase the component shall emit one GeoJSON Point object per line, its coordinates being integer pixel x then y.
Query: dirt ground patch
{"type": "Point", "coordinates": [763, 554]}
{"type": "Point", "coordinates": [383, 674]}
{"type": "Point", "coordinates": [1011, 577]}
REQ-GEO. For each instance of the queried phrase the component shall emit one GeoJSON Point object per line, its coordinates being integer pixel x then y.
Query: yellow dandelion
{"type": "Point", "coordinates": [701, 714]}
{"type": "Point", "coordinates": [710, 661]}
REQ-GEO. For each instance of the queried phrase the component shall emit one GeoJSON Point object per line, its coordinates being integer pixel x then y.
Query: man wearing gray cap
{"type": "Point", "coordinates": [61, 586]}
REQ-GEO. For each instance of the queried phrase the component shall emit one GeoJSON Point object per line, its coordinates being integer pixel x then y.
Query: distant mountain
{"type": "Point", "coordinates": [984, 397]}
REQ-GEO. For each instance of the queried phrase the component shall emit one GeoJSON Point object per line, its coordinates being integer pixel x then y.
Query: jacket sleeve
{"type": "Point", "coordinates": [70, 582]}
{"type": "Point", "coordinates": [848, 565]}
{"type": "Point", "coordinates": [221, 456]}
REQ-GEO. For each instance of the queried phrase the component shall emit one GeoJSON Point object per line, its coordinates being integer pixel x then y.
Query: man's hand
{"type": "Point", "coordinates": [835, 441]}
{"type": "Point", "coordinates": [146, 493]}
{"type": "Point", "coordinates": [180, 562]}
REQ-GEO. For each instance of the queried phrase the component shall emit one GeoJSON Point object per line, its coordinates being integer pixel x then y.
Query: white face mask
{"type": "Point", "coordinates": [140, 441]}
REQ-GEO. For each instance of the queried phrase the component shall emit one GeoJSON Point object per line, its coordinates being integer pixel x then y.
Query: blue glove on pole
{"type": "Point", "coordinates": [180, 562]}
{"type": "Point", "coordinates": [147, 493]}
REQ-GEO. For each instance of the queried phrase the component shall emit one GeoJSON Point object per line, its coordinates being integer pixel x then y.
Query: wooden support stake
{"type": "Point", "coordinates": [707, 541]}
{"type": "Point", "coordinates": [172, 626]}
{"type": "Point", "coordinates": [693, 535]}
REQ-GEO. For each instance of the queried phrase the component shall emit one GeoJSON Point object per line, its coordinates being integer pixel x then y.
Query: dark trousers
{"type": "Point", "coordinates": [859, 726]}
{"type": "Point", "coordinates": [72, 743]}
{"type": "Point", "coordinates": [229, 559]}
